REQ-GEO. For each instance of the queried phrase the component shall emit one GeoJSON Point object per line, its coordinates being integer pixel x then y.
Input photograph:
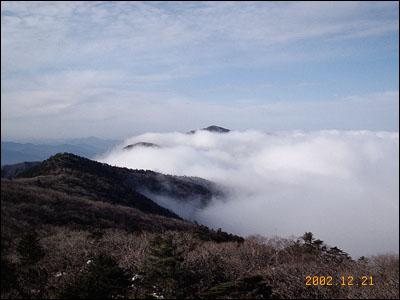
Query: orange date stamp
{"type": "Point", "coordinates": [343, 280]}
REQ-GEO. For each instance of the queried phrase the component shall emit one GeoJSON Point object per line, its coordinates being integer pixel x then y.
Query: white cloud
{"type": "Point", "coordinates": [341, 185]}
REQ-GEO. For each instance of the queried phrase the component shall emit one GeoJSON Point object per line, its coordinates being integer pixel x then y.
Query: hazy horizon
{"type": "Point", "coordinates": [125, 138]}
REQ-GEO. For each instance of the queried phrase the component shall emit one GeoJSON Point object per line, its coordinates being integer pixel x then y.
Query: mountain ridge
{"type": "Point", "coordinates": [180, 188]}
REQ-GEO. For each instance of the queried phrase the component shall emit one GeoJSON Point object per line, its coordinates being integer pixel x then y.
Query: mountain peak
{"type": "Point", "coordinates": [212, 128]}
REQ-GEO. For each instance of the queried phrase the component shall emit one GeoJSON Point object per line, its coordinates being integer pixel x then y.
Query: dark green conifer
{"type": "Point", "coordinates": [103, 279]}
{"type": "Point", "coordinates": [165, 273]}
{"type": "Point", "coordinates": [308, 238]}
{"type": "Point", "coordinates": [29, 249]}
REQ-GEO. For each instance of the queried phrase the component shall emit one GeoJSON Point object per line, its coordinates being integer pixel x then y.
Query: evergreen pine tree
{"type": "Point", "coordinates": [29, 249]}
{"type": "Point", "coordinates": [165, 274]}
{"type": "Point", "coordinates": [103, 279]}
{"type": "Point", "coordinates": [308, 238]}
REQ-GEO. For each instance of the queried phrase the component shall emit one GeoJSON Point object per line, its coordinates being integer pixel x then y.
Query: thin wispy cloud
{"type": "Point", "coordinates": [75, 59]}
{"type": "Point", "coordinates": [79, 32]}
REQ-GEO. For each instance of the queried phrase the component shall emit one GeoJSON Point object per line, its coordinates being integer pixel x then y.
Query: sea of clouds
{"type": "Point", "coordinates": [341, 185]}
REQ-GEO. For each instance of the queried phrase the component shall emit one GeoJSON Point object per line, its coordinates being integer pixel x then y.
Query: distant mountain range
{"type": "Point", "coordinates": [12, 152]}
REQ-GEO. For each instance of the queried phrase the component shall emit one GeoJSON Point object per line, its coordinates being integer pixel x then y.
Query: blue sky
{"type": "Point", "coordinates": [116, 69]}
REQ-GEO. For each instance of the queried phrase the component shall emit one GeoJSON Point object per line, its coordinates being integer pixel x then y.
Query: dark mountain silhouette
{"type": "Point", "coordinates": [141, 144]}
{"type": "Point", "coordinates": [212, 128]}
{"type": "Point", "coordinates": [81, 177]}
{"type": "Point", "coordinates": [180, 188]}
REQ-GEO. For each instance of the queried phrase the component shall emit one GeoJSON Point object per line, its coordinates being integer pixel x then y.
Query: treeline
{"type": "Point", "coordinates": [204, 233]}
{"type": "Point", "coordinates": [60, 262]}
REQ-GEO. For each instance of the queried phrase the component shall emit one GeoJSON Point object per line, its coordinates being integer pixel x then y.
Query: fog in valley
{"type": "Point", "coordinates": [340, 185]}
